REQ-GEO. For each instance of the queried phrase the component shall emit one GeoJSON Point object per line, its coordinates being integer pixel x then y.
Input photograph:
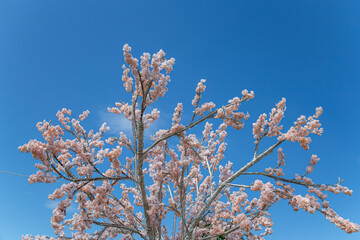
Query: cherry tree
{"type": "Point", "coordinates": [178, 186]}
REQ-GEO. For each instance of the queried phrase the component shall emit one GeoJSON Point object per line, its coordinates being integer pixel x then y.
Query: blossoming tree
{"type": "Point", "coordinates": [127, 189]}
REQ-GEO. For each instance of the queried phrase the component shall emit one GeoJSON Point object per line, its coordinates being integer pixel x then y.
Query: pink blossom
{"type": "Point", "coordinates": [247, 95]}
{"type": "Point", "coordinates": [199, 89]}
{"type": "Point", "coordinates": [204, 107]}
{"type": "Point", "coordinates": [258, 127]}
{"type": "Point", "coordinates": [177, 114]}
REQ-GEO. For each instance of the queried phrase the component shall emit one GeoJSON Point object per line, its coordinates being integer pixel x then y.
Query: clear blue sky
{"type": "Point", "coordinates": [56, 54]}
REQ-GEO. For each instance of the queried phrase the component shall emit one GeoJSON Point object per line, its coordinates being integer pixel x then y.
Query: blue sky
{"type": "Point", "coordinates": [56, 54]}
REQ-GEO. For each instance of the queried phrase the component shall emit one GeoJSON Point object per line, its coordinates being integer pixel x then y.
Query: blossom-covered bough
{"type": "Point", "coordinates": [127, 189]}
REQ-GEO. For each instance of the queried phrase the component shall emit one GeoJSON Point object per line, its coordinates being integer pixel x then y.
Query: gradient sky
{"type": "Point", "coordinates": [56, 54]}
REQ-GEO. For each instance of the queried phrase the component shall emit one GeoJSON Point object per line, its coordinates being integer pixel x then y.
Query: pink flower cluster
{"type": "Point", "coordinates": [298, 133]}
{"type": "Point", "coordinates": [302, 128]}
{"type": "Point", "coordinates": [309, 203]}
{"type": "Point", "coordinates": [247, 95]}
{"type": "Point", "coordinates": [146, 79]}
{"type": "Point", "coordinates": [230, 116]}
{"type": "Point", "coordinates": [199, 89]}
{"type": "Point", "coordinates": [313, 161]}
{"type": "Point", "coordinates": [204, 107]}
{"type": "Point", "coordinates": [343, 224]}
{"type": "Point", "coordinates": [270, 127]}
{"type": "Point", "coordinates": [177, 114]}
